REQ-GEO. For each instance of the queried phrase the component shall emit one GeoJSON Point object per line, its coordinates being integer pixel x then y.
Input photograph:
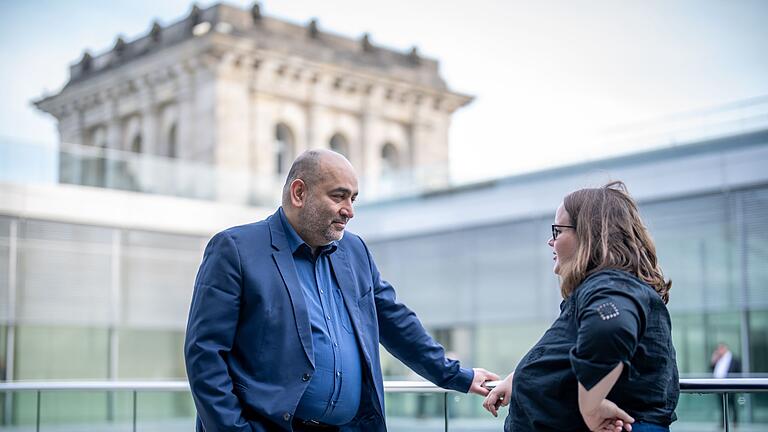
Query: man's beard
{"type": "Point", "coordinates": [317, 224]}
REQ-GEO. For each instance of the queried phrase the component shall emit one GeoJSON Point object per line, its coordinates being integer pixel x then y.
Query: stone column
{"type": "Point", "coordinates": [151, 172]}
{"type": "Point", "coordinates": [185, 99]}
{"type": "Point", "coordinates": [112, 116]}
{"type": "Point", "coordinates": [314, 139]}
{"type": "Point", "coordinates": [317, 113]}
{"type": "Point", "coordinates": [310, 117]}
{"type": "Point", "coordinates": [185, 181]}
{"type": "Point", "coordinates": [111, 165]}
{"type": "Point", "coordinates": [70, 126]}
{"type": "Point", "coordinates": [263, 166]}
{"type": "Point", "coordinates": [232, 120]}
{"type": "Point", "coordinates": [429, 143]}
{"type": "Point", "coordinates": [149, 121]}
{"type": "Point", "coordinates": [370, 161]}
{"type": "Point", "coordinates": [203, 127]}
{"type": "Point", "coordinates": [252, 83]}
{"type": "Point", "coordinates": [71, 138]}
{"type": "Point", "coordinates": [370, 132]}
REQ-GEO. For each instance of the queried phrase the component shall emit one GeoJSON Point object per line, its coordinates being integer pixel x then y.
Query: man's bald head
{"type": "Point", "coordinates": [309, 167]}
{"type": "Point", "coordinates": [318, 196]}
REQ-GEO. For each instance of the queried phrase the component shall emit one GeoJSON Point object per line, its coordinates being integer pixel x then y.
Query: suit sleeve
{"type": "Point", "coordinates": [403, 335]}
{"type": "Point", "coordinates": [213, 319]}
{"type": "Point", "coordinates": [611, 321]}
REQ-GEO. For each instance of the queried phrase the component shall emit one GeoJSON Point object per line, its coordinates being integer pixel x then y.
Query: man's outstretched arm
{"type": "Point", "coordinates": [403, 335]}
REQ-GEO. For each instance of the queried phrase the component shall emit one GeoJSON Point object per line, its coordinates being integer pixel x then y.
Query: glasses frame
{"type": "Point", "coordinates": [555, 228]}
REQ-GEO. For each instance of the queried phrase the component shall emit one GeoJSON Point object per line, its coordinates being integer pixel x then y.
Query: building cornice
{"type": "Point", "coordinates": [222, 53]}
{"type": "Point", "coordinates": [279, 36]}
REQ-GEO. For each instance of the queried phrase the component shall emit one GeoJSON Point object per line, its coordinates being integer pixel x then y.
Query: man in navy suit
{"type": "Point", "coordinates": [288, 313]}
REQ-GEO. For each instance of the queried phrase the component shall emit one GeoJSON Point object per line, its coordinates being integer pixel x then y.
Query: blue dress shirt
{"type": "Point", "coordinates": [333, 394]}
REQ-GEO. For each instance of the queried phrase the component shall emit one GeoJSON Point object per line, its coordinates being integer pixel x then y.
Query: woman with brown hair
{"type": "Point", "coordinates": [607, 363]}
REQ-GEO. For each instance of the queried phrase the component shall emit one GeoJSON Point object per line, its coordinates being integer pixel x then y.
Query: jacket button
{"type": "Point", "coordinates": [287, 416]}
{"type": "Point", "coordinates": [306, 377]}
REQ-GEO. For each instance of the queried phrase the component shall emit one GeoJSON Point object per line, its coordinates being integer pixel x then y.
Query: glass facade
{"type": "Point", "coordinates": [89, 302]}
{"type": "Point", "coordinates": [85, 302]}
{"type": "Point", "coordinates": [496, 283]}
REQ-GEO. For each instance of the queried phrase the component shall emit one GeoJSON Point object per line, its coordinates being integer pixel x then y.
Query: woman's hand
{"type": "Point", "coordinates": [499, 396]}
{"type": "Point", "coordinates": [607, 417]}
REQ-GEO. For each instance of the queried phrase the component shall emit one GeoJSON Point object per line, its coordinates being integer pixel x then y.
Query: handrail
{"type": "Point", "coordinates": [687, 385]}
{"type": "Point", "coordinates": [172, 386]}
{"type": "Point", "coordinates": [724, 385]}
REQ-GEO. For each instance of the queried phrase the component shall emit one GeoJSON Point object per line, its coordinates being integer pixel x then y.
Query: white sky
{"type": "Point", "coordinates": [548, 75]}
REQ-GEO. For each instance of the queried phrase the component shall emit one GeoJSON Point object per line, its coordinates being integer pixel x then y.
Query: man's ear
{"type": "Point", "coordinates": [298, 193]}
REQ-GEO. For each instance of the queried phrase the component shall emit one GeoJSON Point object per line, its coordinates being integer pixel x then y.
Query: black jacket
{"type": "Point", "coordinates": [611, 317]}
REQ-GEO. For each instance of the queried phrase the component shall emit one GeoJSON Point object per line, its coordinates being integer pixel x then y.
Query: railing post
{"type": "Point", "coordinates": [37, 416]}
{"type": "Point", "coordinates": [726, 422]}
{"type": "Point", "coordinates": [134, 411]}
{"type": "Point", "coordinates": [445, 409]}
{"type": "Point", "coordinates": [110, 407]}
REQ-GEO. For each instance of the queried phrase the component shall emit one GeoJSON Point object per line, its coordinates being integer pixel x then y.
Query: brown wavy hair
{"type": "Point", "coordinates": [610, 235]}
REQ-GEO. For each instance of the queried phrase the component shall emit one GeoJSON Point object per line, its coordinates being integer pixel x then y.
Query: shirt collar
{"type": "Point", "coordinates": [296, 243]}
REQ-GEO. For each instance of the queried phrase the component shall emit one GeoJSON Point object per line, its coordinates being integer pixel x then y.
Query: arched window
{"type": "Point", "coordinates": [283, 148]}
{"type": "Point", "coordinates": [99, 137]}
{"type": "Point", "coordinates": [93, 165]}
{"type": "Point", "coordinates": [390, 160]}
{"type": "Point", "coordinates": [169, 131]}
{"type": "Point", "coordinates": [136, 144]}
{"type": "Point", "coordinates": [173, 150]}
{"type": "Point", "coordinates": [131, 137]}
{"type": "Point", "coordinates": [339, 144]}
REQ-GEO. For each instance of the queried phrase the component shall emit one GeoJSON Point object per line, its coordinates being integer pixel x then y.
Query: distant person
{"type": "Point", "coordinates": [724, 365]}
{"type": "Point", "coordinates": [287, 315]}
{"type": "Point", "coordinates": [607, 363]}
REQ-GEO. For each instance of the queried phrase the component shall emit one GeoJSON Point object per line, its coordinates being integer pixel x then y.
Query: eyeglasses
{"type": "Point", "coordinates": [556, 231]}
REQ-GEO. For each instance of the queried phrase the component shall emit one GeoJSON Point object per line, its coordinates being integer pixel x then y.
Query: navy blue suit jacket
{"type": "Point", "coordinates": [248, 347]}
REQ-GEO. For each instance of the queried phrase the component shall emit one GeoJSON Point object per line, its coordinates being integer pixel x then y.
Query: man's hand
{"type": "Point", "coordinates": [608, 417]}
{"type": "Point", "coordinates": [499, 396]}
{"type": "Point", "coordinates": [481, 376]}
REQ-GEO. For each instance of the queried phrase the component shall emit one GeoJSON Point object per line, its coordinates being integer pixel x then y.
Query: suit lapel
{"type": "Point", "coordinates": [343, 272]}
{"type": "Point", "coordinates": [283, 258]}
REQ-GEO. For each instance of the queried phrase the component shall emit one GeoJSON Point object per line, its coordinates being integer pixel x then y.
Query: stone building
{"type": "Point", "coordinates": [245, 93]}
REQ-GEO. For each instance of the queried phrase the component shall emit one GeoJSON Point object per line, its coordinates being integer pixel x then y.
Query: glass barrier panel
{"type": "Point", "coordinates": [19, 411]}
{"type": "Point", "coordinates": [164, 412]}
{"type": "Point", "coordinates": [704, 412]}
{"type": "Point", "coordinates": [412, 412]}
{"type": "Point", "coordinates": [466, 414]}
{"type": "Point", "coordinates": [84, 411]}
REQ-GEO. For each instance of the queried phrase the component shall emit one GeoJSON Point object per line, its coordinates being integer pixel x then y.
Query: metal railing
{"type": "Point", "coordinates": [724, 387]}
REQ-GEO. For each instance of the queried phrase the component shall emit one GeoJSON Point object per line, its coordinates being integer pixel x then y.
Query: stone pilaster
{"type": "Point", "coordinates": [232, 120]}
{"type": "Point", "coordinates": [185, 100]}
{"type": "Point", "coordinates": [371, 161]}
{"type": "Point", "coordinates": [70, 126]}
{"type": "Point", "coordinates": [114, 128]}
{"type": "Point", "coordinates": [149, 122]}
{"type": "Point", "coordinates": [314, 135]}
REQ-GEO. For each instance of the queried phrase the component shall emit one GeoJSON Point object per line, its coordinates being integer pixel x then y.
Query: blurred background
{"type": "Point", "coordinates": [130, 132]}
